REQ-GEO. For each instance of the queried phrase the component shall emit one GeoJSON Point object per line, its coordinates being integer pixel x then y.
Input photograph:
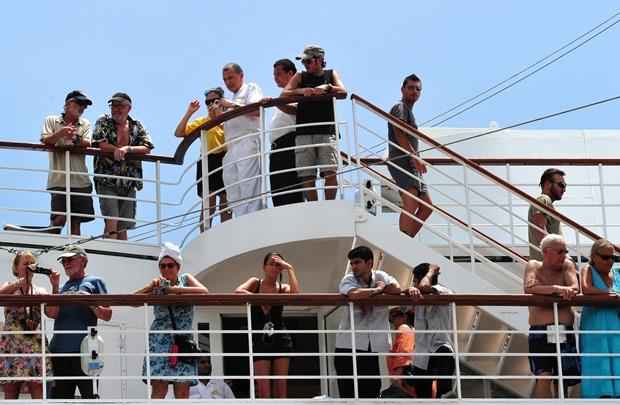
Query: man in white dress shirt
{"type": "Point", "coordinates": [242, 178]}
{"type": "Point", "coordinates": [362, 282]}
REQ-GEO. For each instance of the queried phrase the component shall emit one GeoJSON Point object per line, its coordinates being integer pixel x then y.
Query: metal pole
{"type": "Point", "coordinates": [601, 186]}
{"type": "Point", "coordinates": [43, 353]}
{"type": "Point", "coordinates": [158, 199]}
{"type": "Point", "coordinates": [68, 192]}
{"type": "Point", "coordinates": [457, 365]}
{"type": "Point", "coordinates": [264, 167]}
{"type": "Point", "coordinates": [558, 351]}
{"type": "Point", "coordinates": [204, 163]}
{"type": "Point", "coordinates": [469, 224]}
{"type": "Point", "coordinates": [337, 150]}
{"type": "Point", "coordinates": [353, 351]}
{"type": "Point", "coordinates": [511, 216]}
{"type": "Point", "coordinates": [248, 312]}
{"type": "Point", "coordinates": [148, 351]}
{"type": "Point", "coordinates": [360, 187]}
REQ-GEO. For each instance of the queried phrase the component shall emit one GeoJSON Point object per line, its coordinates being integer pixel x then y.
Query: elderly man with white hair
{"type": "Point", "coordinates": [555, 275]}
{"type": "Point", "coordinates": [167, 317]}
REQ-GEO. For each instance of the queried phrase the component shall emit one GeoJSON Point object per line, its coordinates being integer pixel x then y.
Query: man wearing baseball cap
{"type": "Point", "coordinates": [74, 317]}
{"type": "Point", "coordinates": [121, 136]}
{"type": "Point", "coordinates": [315, 81]}
{"type": "Point", "coordinates": [69, 129]}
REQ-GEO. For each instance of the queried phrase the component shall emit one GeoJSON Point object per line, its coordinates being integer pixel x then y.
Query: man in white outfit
{"type": "Point", "coordinates": [242, 178]}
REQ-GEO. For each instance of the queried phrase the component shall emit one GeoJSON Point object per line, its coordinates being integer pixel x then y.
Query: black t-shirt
{"type": "Point", "coordinates": [315, 111]}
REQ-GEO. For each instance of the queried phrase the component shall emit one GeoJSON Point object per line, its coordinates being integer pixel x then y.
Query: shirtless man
{"type": "Point", "coordinates": [555, 275]}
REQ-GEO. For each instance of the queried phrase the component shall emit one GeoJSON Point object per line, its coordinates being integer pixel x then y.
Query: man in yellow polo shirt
{"type": "Point", "coordinates": [213, 141]}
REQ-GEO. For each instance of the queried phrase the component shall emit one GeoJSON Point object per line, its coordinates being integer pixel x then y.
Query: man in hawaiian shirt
{"type": "Point", "coordinates": [121, 137]}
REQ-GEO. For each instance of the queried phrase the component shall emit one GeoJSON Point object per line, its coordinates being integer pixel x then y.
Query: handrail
{"type": "Point", "coordinates": [86, 151]}
{"type": "Point", "coordinates": [179, 154]}
{"type": "Point", "coordinates": [443, 211]}
{"type": "Point", "coordinates": [513, 161]}
{"type": "Point", "coordinates": [326, 299]}
{"type": "Point", "coordinates": [481, 170]}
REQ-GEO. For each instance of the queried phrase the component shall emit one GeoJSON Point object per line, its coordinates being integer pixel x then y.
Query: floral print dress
{"type": "Point", "coordinates": [15, 320]}
{"type": "Point", "coordinates": [162, 342]}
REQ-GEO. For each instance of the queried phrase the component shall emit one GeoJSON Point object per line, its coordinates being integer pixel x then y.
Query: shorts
{"type": "Point", "coordinates": [111, 207]}
{"type": "Point", "coordinates": [319, 155]}
{"type": "Point", "coordinates": [404, 180]}
{"type": "Point", "coordinates": [80, 204]}
{"type": "Point", "coordinates": [571, 365]}
{"type": "Point", "coordinates": [276, 343]}
{"type": "Point", "coordinates": [216, 181]}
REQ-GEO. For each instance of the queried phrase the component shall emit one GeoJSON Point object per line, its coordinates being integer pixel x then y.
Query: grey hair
{"type": "Point", "coordinates": [234, 67]}
{"type": "Point", "coordinates": [551, 239]}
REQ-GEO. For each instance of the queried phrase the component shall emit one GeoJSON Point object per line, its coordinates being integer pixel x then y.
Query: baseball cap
{"type": "Point", "coordinates": [120, 97]}
{"type": "Point", "coordinates": [72, 250]}
{"type": "Point", "coordinates": [79, 97]}
{"type": "Point", "coordinates": [311, 51]}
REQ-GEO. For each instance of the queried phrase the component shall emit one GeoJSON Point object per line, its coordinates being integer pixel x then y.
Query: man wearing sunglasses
{"type": "Point", "coordinates": [555, 275]}
{"type": "Point", "coordinates": [315, 81]}
{"type": "Point", "coordinates": [540, 224]}
{"type": "Point", "coordinates": [74, 317]}
{"type": "Point", "coordinates": [215, 146]}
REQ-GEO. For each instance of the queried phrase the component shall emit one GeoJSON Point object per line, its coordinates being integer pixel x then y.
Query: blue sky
{"type": "Point", "coordinates": [165, 53]}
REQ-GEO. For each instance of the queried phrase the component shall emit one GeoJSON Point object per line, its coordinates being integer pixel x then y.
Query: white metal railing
{"type": "Point", "coordinates": [501, 379]}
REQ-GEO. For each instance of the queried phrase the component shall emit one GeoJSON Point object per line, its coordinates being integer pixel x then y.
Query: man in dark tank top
{"type": "Point", "coordinates": [314, 81]}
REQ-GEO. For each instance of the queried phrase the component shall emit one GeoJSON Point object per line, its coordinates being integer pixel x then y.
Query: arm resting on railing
{"type": "Point", "coordinates": [587, 287]}
{"type": "Point", "coordinates": [532, 285]}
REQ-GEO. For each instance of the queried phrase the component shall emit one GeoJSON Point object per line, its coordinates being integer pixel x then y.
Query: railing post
{"type": "Point", "coordinates": [353, 351]}
{"type": "Point", "coordinates": [510, 217]}
{"type": "Point", "coordinates": [264, 166]}
{"type": "Point", "coordinates": [43, 353]}
{"type": "Point", "coordinates": [469, 224]}
{"type": "Point", "coordinates": [337, 150]}
{"type": "Point", "coordinates": [248, 312]}
{"type": "Point", "coordinates": [158, 199]}
{"type": "Point", "coordinates": [457, 366]}
{"type": "Point", "coordinates": [206, 205]}
{"type": "Point", "coordinates": [360, 187]}
{"type": "Point", "coordinates": [601, 186]}
{"type": "Point", "coordinates": [147, 360]}
{"type": "Point", "coordinates": [68, 192]}
{"type": "Point", "coordinates": [558, 353]}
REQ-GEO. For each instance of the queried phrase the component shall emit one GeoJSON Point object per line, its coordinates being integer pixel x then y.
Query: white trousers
{"type": "Point", "coordinates": [240, 186]}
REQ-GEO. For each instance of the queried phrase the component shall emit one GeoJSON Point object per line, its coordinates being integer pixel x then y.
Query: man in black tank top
{"type": "Point", "coordinates": [316, 80]}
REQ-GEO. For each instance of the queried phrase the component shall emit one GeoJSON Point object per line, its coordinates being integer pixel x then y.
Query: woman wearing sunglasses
{"type": "Point", "coordinates": [267, 320]}
{"type": "Point", "coordinates": [600, 278]}
{"type": "Point", "coordinates": [170, 281]}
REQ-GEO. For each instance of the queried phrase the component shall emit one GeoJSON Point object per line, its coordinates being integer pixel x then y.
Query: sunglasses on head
{"type": "Point", "coordinates": [164, 266]}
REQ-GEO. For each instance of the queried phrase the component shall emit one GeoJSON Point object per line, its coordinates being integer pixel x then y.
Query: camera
{"type": "Point", "coordinates": [165, 283]}
{"type": "Point", "coordinates": [33, 268]}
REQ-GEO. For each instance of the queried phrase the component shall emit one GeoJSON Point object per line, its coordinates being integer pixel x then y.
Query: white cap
{"type": "Point", "coordinates": [172, 251]}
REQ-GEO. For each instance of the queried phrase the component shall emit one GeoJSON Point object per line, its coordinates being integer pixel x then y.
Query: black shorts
{"type": "Point", "coordinates": [538, 343]}
{"type": "Point", "coordinates": [80, 204]}
{"type": "Point", "coordinates": [216, 181]}
{"type": "Point", "coordinates": [276, 343]}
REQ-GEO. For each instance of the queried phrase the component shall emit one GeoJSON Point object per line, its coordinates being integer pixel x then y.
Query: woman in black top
{"type": "Point", "coordinates": [268, 318]}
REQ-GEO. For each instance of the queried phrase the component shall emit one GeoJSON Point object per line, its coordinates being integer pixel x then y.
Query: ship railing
{"type": "Point", "coordinates": [506, 382]}
{"type": "Point", "coordinates": [469, 191]}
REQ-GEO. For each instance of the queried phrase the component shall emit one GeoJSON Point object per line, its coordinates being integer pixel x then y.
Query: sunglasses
{"type": "Point", "coordinates": [307, 61]}
{"type": "Point", "coordinates": [211, 101]}
{"type": "Point", "coordinates": [606, 257]}
{"type": "Point", "coordinates": [164, 266]}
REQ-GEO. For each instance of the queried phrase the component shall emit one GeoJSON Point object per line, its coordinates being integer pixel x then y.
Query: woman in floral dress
{"type": "Point", "coordinates": [18, 319]}
{"type": "Point", "coordinates": [170, 281]}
